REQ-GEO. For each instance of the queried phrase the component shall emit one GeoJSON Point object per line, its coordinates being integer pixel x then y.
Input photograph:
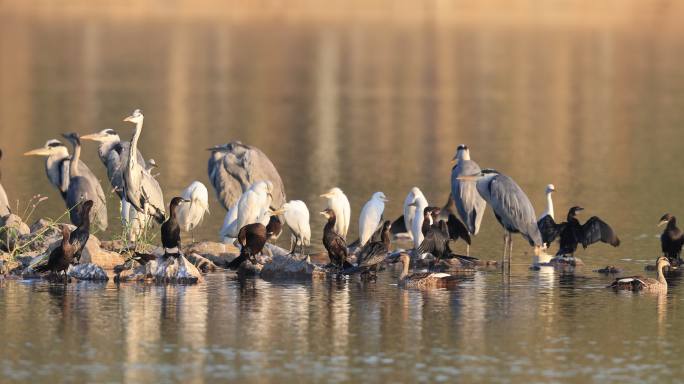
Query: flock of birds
{"type": "Point", "coordinates": [249, 187]}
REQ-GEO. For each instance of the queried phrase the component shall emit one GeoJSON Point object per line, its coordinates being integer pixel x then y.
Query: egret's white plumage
{"type": "Point", "coordinates": [338, 202]}
{"type": "Point", "coordinates": [297, 218]}
{"type": "Point", "coordinates": [190, 215]}
{"type": "Point", "coordinates": [371, 216]}
{"type": "Point", "coordinates": [420, 203]}
{"type": "Point", "coordinates": [229, 224]}
{"type": "Point", "coordinates": [410, 209]}
{"type": "Point", "coordinates": [251, 208]}
{"type": "Point", "coordinates": [549, 202]}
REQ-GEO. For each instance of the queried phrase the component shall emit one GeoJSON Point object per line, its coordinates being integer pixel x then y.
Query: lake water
{"type": "Point", "coordinates": [596, 110]}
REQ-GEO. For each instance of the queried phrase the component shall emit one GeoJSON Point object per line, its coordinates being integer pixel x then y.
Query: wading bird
{"type": "Point", "coordinates": [572, 233]}
{"type": "Point", "coordinates": [333, 242]}
{"type": "Point", "coordinates": [672, 239]}
{"type": "Point", "coordinates": [297, 218]}
{"type": "Point", "coordinates": [402, 225]}
{"type": "Point", "coordinates": [4, 203]}
{"type": "Point", "coordinates": [640, 283]}
{"type": "Point", "coordinates": [61, 257]}
{"type": "Point", "coordinates": [170, 229]}
{"type": "Point", "coordinates": [469, 203]}
{"type": "Point", "coordinates": [371, 216]}
{"type": "Point", "coordinates": [142, 190]}
{"type": "Point", "coordinates": [512, 209]}
{"type": "Point", "coordinates": [549, 202]}
{"type": "Point", "coordinates": [250, 208]}
{"type": "Point", "coordinates": [82, 188]}
{"type": "Point", "coordinates": [57, 163]}
{"type": "Point", "coordinates": [338, 202]}
{"type": "Point", "coordinates": [234, 167]}
{"type": "Point", "coordinates": [252, 238]}
{"type": "Point", "coordinates": [274, 228]}
{"type": "Point", "coordinates": [113, 152]}
{"type": "Point", "coordinates": [375, 252]}
{"type": "Point", "coordinates": [190, 215]}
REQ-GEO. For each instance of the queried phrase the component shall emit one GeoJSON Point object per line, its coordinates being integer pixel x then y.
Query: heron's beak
{"type": "Point", "coordinates": [38, 152]}
{"type": "Point", "coordinates": [468, 178]}
{"type": "Point", "coordinates": [129, 118]}
{"type": "Point", "coordinates": [92, 136]}
{"type": "Point", "coordinates": [662, 222]}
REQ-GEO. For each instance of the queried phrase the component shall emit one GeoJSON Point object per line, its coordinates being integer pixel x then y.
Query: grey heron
{"type": "Point", "coordinates": [113, 153]}
{"type": "Point", "coordinates": [512, 209]}
{"type": "Point", "coordinates": [371, 217]}
{"type": "Point", "coordinates": [57, 163]}
{"type": "Point", "coordinates": [339, 203]}
{"type": "Point", "coordinates": [234, 167]}
{"type": "Point", "coordinates": [297, 218]}
{"type": "Point", "coordinates": [82, 188]}
{"type": "Point", "coordinates": [4, 202]}
{"type": "Point", "coordinates": [549, 202]}
{"type": "Point", "coordinates": [572, 233]}
{"type": "Point", "coordinates": [672, 239]}
{"type": "Point", "coordinates": [141, 188]}
{"type": "Point", "coordinates": [469, 204]}
{"type": "Point", "coordinates": [191, 215]}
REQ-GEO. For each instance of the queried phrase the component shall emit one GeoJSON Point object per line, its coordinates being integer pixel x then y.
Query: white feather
{"type": "Point", "coordinates": [410, 210]}
{"type": "Point", "coordinates": [370, 217]}
{"type": "Point", "coordinates": [417, 225]}
{"type": "Point", "coordinates": [338, 202]}
{"type": "Point", "coordinates": [297, 218]}
{"type": "Point", "coordinates": [190, 215]}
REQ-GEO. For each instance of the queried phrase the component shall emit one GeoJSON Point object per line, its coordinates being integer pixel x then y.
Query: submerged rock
{"type": "Point", "coordinates": [163, 269]}
{"type": "Point", "coordinates": [203, 264]}
{"type": "Point", "coordinates": [88, 272]}
{"type": "Point", "coordinates": [284, 266]}
{"type": "Point", "coordinates": [566, 261]}
{"type": "Point", "coordinates": [608, 270]}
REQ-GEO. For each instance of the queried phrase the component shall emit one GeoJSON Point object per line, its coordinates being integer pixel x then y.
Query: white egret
{"type": "Point", "coordinates": [297, 218]}
{"type": "Point", "coordinates": [4, 203]}
{"type": "Point", "coordinates": [338, 202]}
{"type": "Point", "coordinates": [419, 204]}
{"type": "Point", "coordinates": [251, 207]}
{"type": "Point", "coordinates": [549, 202]}
{"type": "Point", "coordinates": [190, 215]}
{"type": "Point", "coordinates": [370, 217]}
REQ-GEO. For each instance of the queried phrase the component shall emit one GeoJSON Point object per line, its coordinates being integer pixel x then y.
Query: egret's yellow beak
{"type": "Point", "coordinates": [38, 152]}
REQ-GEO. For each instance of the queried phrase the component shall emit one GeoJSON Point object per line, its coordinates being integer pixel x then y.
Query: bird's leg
{"type": "Point", "coordinates": [503, 258]}
{"type": "Point", "coordinates": [467, 249]}
{"type": "Point", "coordinates": [293, 246]}
{"type": "Point", "coordinates": [510, 251]}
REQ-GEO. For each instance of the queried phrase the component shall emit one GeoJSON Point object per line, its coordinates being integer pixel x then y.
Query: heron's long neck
{"type": "Point", "coordinates": [132, 158]}
{"type": "Point", "coordinates": [549, 205]}
{"type": "Point", "coordinates": [53, 169]}
{"type": "Point", "coordinates": [73, 166]}
{"type": "Point", "coordinates": [463, 155]}
{"type": "Point", "coordinates": [660, 275]}
{"type": "Point", "coordinates": [106, 147]}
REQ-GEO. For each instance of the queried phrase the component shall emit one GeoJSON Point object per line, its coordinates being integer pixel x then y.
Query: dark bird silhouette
{"type": "Point", "coordinates": [672, 238]}
{"type": "Point", "coordinates": [60, 257]}
{"type": "Point", "coordinates": [436, 241]}
{"type": "Point", "coordinates": [572, 233]}
{"type": "Point", "coordinates": [374, 253]}
{"type": "Point", "coordinates": [333, 242]}
{"type": "Point", "coordinates": [170, 229]}
{"type": "Point", "coordinates": [430, 218]}
{"type": "Point", "coordinates": [274, 227]}
{"type": "Point", "coordinates": [252, 238]}
{"type": "Point", "coordinates": [79, 237]}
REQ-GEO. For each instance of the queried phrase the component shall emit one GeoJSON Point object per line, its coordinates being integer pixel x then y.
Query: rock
{"type": "Point", "coordinates": [94, 254]}
{"type": "Point", "coordinates": [136, 272]}
{"type": "Point", "coordinates": [284, 266]}
{"type": "Point", "coordinates": [218, 253]}
{"type": "Point", "coordinates": [176, 270]}
{"type": "Point", "coordinates": [11, 230]}
{"type": "Point", "coordinates": [203, 264]}
{"type": "Point", "coordinates": [566, 261]}
{"type": "Point", "coordinates": [8, 264]}
{"type": "Point", "coordinates": [89, 272]}
{"type": "Point", "coordinates": [608, 270]}
{"type": "Point", "coordinates": [44, 237]}
{"type": "Point", "coordinates": [113, 245]}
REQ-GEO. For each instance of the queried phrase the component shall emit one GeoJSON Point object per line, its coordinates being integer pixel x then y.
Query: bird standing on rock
{"type": "Point", "coordinates": [672, 239]}
{"type": "Point", "coordinates": [375, 252]}
{"type": "Point", "coordinates": [333, 242]}
{"type": "Point", "coordinates": [170, 229]}
{"type": "Point", "coordinates": [61, 257]}
{"type": "Point", "coordinates": [573, 233]}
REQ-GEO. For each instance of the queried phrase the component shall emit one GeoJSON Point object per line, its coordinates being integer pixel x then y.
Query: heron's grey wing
{"type": "Point", "coordinates": [399, 226]}
{"type": "Point", "coordinates": [595, 230]}
{"type": "Point", "coordinates": [228, 190]}
{"type": "Point", "coordinates": [4, 203]}
{"type": "Point", "coordinates": [115, 170]}
{"type": "Point", "coordinates": [549, 229]}
{"type": "Point", "coordinates": [260, 167]}
{"type": "Point", "coordinates": [514, 208]}
{"type": "Point", "coordinates": [153, 196]}
{"type": "Point", "coordinates": [469, 204]}
{"type": "Point", "coordinates": [457, 229]}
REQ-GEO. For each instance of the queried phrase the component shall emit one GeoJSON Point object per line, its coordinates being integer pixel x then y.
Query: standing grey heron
{"type": "Point", "coordinates": [549, 202]}
{"type": "Point", "coordinates": [469, 204]}
{"type": "Point", "coordinates": [142, 189]}
{"type": "Point", "coordinates": [57, 165]}
{"type": "Point", "coordinates": [234, 167]}
{"type": "Point", "coordinates": [113, 152]}
{"type": "Point", "coordinates": [4, 203]}
{"type": "Point", "coordinates": [512, 209]}
{"type": "Point", "coordinates": [82, 188]}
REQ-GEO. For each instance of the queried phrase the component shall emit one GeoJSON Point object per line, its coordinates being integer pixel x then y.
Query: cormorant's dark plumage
{"type": "Point", "coordinates": [170, 230]}
{"type": "Point", "coordinates": [60, 257]}
{"type": "Point", "coordinates": [373, 253]}
{"type": "Point", "coordinates": [79, 237]}
{"type": "Point", "coordinates": [333, 242]}
{"type": "Point", "coordinates": [672, 238]}
{"type": "Point", "coordinates": [572, 233]}
{"type": "Point", "coordinates": [274, 227]}
{"type": "Point", "coordinates": [252, 238]}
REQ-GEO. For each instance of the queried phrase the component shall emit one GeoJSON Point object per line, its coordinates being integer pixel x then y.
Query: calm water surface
{"type": "Point", "coordinates": [595, 110]}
